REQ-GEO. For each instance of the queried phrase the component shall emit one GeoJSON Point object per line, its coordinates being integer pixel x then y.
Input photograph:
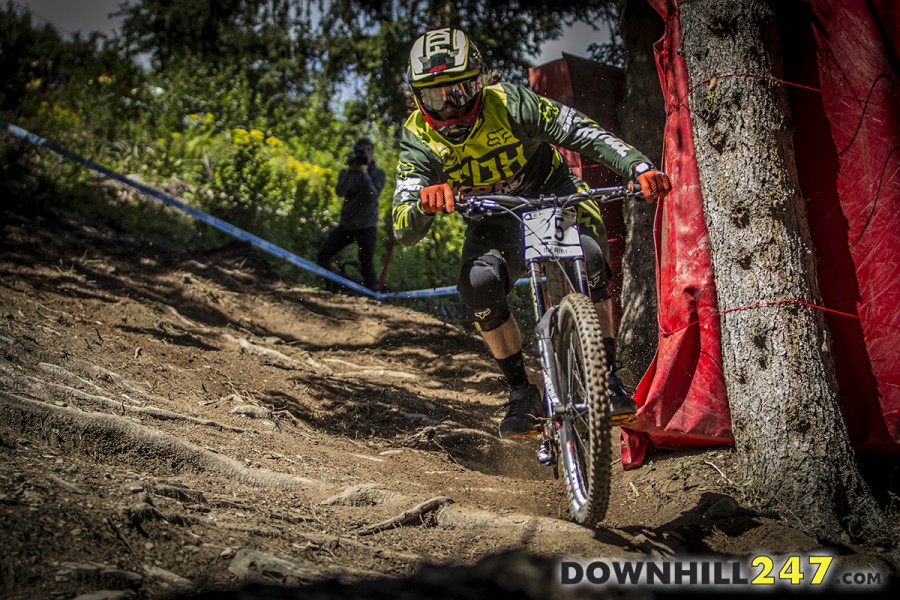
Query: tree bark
{"type": "Point", "coordinates": [793, 446]}
{"type": "Point", "coordinates": [642, 119]}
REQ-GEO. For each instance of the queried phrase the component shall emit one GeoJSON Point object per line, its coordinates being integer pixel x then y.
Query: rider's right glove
{"type": "Point", "coordinates": [655, 184]}
{"type": "Point", "coordinates": [437, 198]}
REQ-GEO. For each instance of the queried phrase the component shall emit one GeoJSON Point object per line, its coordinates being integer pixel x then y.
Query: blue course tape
{"type": "Point", "coordinates": [223, 225]}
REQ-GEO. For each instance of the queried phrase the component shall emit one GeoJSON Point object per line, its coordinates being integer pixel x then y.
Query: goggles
{"type": "Point", "coordinates": [458, 94]}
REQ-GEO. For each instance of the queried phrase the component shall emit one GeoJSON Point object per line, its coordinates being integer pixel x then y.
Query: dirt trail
{"type": "Point", "coordinates": [172, 425]}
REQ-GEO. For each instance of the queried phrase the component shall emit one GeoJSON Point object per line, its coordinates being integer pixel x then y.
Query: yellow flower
{"type": "Point", "coordinates": [241, 136]}
{"type": "Point", "coordinates": [59, 114]}
{"type": "Point", "coordinates": [106, 79]}
{"type": "Point", "coordinates": [257, 135]}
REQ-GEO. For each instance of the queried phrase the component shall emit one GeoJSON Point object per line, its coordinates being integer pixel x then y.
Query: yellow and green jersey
{"type": "Point", "coordinates": [508, 151]}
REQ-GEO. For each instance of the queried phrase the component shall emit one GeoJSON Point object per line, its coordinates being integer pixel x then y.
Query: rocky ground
{"type": "Point", "coordinates": [178, 425]}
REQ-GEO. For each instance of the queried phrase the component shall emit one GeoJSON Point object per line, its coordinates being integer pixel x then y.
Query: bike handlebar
{"type": "Point", "coordinates": [479, 205]}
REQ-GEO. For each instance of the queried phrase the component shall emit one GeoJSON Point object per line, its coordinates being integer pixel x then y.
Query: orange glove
{"type": "Point", "coordinates": [655, 184]}
{"type": "Point", "coordinates": [437, 198]}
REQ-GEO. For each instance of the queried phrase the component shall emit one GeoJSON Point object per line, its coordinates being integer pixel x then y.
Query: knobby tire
{"type": "Point", "coordinates": [585, 429]}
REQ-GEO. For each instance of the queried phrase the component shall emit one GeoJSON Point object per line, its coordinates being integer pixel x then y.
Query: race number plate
{"type": "Point", "coordinates": [551, 233]}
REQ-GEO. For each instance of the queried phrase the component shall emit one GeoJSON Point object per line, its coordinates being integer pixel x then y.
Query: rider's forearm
{"type": "Point", "coordinates": [596, 143]}
{"type": "Point", "coordinates": [565, 126]}
{"type": "Point", "coordinates": [409, 222]}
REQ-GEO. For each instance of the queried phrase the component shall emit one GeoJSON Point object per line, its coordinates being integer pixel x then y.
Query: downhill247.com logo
{"type": "Point", "coordinates": [758, 572]}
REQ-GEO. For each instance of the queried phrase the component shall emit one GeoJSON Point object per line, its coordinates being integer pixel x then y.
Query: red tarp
{"type": "Point", "coordinates": [857, 71]}
{"type": "Point", "coordinates": [840, 72]}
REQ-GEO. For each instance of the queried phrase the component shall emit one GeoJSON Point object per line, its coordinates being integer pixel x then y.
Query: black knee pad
{"type": "Point", "coordinates": [598, 269]}
{"type": "Point", "coordinates": [483, 286]}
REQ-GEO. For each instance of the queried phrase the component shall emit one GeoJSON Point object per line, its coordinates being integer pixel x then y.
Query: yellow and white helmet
{"type": "Point", "coordinates": [445, 68]}
{"type": "Point", "coordinates": [442, 56]}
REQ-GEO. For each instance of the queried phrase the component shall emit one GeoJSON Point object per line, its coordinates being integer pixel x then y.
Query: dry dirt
{"type": "Point", "coordinates": [174, 425]}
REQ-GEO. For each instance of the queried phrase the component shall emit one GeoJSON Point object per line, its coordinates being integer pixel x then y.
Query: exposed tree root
{"type": "Point", "coordinates": [366, 494]}
{"type": "Point", "coordinates": [279, 358]}
{"type": "Point", "coordinates": [101, 436]}
{"type": "Point", "coordinates": [336, 542]}
{"type": "Point", "coordinates": [145, 513]}
{"type": "Point", "coordinates": [414, 516]}
{"type": "Point", "coordinates": [253, 566]}
{"type": "Point", "coordinates": [100, 374]}
{"type": "Point", "coordinates": [50, 392]}
{"type": "Point", "coordinates": [71, 378]}
{"type": "Point", "coordinates": [459, 517]}
{"type": "Point", "coordinates": [367, 374]}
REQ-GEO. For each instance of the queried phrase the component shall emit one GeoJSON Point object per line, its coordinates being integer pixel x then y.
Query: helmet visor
{"type": "Point", "coordinates": [458, 94]}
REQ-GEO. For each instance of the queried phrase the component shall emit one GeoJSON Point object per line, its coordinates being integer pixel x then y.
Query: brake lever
{"type": "Point", "coordinates": [479, 209]}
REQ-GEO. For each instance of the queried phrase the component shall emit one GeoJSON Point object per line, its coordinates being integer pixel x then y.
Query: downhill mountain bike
{"type": "Point", "coordinates": [576, 427]}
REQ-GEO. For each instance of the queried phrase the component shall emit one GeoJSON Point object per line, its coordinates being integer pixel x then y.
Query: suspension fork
{"type": "Point", "coordinates": [544, 316]}
{"type": "Point", "coordinates": [580, 284]}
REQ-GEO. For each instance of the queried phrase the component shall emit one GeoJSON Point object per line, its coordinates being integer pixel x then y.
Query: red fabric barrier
{"type": "Point", "coordinates": [681, 398]}
{"type": "Point", "coordinates": [840, 73]}
{"type": "Point", "coordinates": [856, 49]}
{"type": "Point", "coordinates": [849, 168]}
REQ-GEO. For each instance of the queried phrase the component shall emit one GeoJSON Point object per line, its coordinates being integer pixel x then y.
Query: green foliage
{"type": "Point", "coordinates": [369, 40]}
{"type": "Point", "coordinates": [238, 114]}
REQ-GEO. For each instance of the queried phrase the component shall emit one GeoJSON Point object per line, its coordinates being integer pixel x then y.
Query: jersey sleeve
{"type": "Point", "coordinates": [415, 170]}
{"type": "Point", "coordinates": [556, 123]}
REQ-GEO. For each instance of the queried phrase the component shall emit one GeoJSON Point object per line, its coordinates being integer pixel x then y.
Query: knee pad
{"type": "Point", "coordinates": [483, 286]}
{"type": "Point", "coordinates": [598, 269]}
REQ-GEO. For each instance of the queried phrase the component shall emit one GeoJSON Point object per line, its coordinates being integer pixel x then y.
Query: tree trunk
{"type": "Point", "coordinates": [642, 118]}
{"type": "Point", "coordinates": [793, 446]}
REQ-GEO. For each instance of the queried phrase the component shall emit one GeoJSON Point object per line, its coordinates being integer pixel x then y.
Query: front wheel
{"type": "Point", "coordinates": [585, 429]}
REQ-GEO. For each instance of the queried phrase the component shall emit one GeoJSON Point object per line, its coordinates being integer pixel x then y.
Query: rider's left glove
{"type": "Point", "coordinates": [437, 198]}
{"type": "Point", "coordinates": [655, 184]}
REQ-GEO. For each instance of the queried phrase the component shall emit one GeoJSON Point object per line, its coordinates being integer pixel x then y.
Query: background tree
{"type": "Point", "coordinates": [369, 41]}
{"type": "Point", "coordinates": [792, 441]}
{"type": "Point", "coordinates": [270, 41]}
{"type": "Point", "coordinates": [642, 117]}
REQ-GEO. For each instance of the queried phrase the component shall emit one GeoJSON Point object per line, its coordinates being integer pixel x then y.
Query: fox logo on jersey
{"type": "Point", "coordinates": [498, 138]}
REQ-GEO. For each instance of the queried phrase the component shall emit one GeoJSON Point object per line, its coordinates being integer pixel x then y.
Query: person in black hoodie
{"type": "Point", "coordinates": [359, 184]}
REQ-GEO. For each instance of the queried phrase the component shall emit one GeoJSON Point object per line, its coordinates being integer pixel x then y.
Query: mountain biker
{"type": "Point", "coordinates": [469, 134]}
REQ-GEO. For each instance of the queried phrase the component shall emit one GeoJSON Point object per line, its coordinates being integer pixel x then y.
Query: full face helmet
{"type": "Point", "coordinates": [444, 72]}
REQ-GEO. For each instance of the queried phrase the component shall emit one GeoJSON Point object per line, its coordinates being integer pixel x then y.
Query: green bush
{"type": "Point", "coordinates": [201, 131]}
